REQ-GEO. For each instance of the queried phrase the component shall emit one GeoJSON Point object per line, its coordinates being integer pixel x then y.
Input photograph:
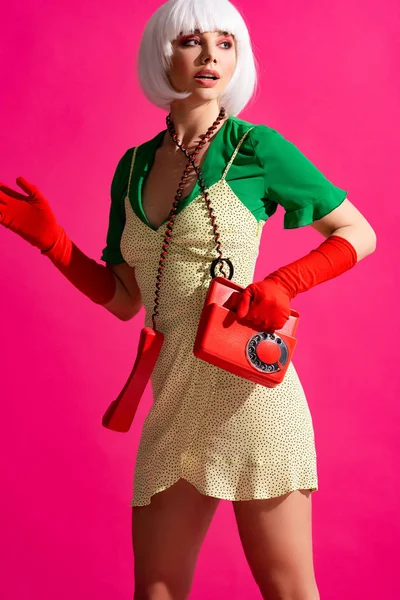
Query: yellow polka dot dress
{"type": "Point", "coordinates": [229, 437]}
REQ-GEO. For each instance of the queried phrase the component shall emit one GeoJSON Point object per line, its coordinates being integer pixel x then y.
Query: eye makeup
{"type": "Point", "coordinates": [191, 36]}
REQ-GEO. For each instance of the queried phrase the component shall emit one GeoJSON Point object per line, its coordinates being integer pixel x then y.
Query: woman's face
{"type": "Point", "coordinates": [198, 51]}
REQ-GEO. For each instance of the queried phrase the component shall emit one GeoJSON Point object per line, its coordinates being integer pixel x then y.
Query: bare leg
{"type": "Point", "coordinates": [276, 535]}
{"type": "Point", "coordinates": [167, 536]}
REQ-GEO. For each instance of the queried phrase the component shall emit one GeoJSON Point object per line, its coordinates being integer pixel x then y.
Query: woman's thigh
{"type": "Point", "coordinates": [276, 536]}
{"type": "Point", "coordinates": [167, 536]}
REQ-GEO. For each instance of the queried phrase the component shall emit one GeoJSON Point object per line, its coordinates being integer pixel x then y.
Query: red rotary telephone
{"type": "Point", "coordinates": [238, 346]}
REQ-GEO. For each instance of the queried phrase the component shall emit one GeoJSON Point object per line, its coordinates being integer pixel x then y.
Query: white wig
{"type": "Point", "coordinates": [172, 19]}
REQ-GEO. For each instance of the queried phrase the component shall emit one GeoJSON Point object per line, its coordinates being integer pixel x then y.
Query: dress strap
{"type": "Point", "coordinates": [228, 166]}
{"type": "Point", "coordinates": [130, 172]}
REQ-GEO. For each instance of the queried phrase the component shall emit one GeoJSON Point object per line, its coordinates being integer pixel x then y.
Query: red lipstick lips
{"type": "Point", "coordinates": [214, 74]}
{"type": "Point", "coordinates": [207, 77]}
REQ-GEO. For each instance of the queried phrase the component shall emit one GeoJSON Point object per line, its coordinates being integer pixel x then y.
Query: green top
{"type": "Point", "coordinates": [268, 170]}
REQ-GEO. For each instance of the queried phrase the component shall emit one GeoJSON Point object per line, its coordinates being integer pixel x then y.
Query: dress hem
{"type": "Point", "coordinates": [312, 485]}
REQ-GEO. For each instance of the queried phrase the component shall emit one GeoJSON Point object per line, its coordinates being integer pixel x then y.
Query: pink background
{"type": "Point", "coordinates": [70, 106]}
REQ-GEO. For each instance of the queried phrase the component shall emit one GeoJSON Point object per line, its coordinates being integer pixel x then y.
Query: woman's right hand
{"type": "Point", "coordinates": [32, 218]}
{"type": "Point", "coordinates": [29, 216]}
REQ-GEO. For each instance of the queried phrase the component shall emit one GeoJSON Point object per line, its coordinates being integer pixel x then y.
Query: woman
{"type": "Point", "coordinates": [209, 434]}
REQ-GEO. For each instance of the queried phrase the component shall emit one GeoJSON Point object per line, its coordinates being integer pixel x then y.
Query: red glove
{"type": "Point", "coordinates": [267, 303]}
{"type": "Point", "coordinates": [32, 218]}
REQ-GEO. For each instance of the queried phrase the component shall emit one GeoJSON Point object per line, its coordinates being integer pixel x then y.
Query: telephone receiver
{"type": "Point", "coordinates": [120, 413]}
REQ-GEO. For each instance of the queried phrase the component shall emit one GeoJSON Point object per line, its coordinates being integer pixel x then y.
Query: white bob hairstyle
{"type": "Point", "coordinates": [172, 19]}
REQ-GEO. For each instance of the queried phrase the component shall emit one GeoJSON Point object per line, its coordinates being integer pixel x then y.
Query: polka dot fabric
{"type": "Point", "coordinates": [229, 437]}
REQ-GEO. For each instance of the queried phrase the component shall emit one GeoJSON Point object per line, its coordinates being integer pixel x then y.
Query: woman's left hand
{"type": "Point", "coordinates": [264, 303]}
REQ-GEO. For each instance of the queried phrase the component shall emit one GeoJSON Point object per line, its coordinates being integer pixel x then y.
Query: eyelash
{"type": "Point", "coordinates": [184, 43]}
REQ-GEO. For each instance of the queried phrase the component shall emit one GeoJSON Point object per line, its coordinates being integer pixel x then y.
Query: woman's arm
{"type": "Point", "coordinates": [347, 222]}
{"type": "Point", "coordinates": [31, 217]}
{"type": "Point", "coordinates": [127, 300]}
{"type": "Point", "coordinates": [349, 238]}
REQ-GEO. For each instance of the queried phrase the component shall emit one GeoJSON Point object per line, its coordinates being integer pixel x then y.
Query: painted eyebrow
{"type": "Point", "coordinates": [219, 32]}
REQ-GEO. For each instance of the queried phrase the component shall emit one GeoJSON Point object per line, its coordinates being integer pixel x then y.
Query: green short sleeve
{"type": "Point", "coordinates": [119, 186]}
{"type": "Point", "coordinates": [292, 181]}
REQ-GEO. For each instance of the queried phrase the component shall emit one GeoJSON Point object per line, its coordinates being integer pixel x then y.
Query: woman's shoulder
{"type": "Point", "coordinates": [258, 129]}
{"type": "Point", "coordinates": [260, 135]}
{"type": "Point", "coordinates": [124, 160]}
{"type": "Point", "coordinates": [146, 145]}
